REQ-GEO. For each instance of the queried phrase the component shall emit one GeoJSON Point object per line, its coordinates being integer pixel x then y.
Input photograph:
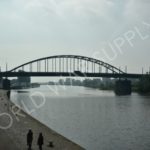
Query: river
{"type": "Point", "coordinates": [94, 119]}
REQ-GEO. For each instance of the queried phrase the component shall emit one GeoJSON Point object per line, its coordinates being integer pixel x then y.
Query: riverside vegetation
{"type": "Point", "coordinates": [141, 86]}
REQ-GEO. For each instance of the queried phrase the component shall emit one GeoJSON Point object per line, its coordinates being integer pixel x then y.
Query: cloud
{"type": "Point", "coordinates": [77, 25]}
{"type": "Point", "coordinates": [137, 10]}
{"type": "Point", "coordinates": [72, 8]}
{"type": "Point", "coordinates": [67, 11]}
{"type": "Point", "coordinates": [76, 21]}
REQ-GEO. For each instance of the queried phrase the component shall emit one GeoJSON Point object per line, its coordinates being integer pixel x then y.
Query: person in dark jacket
{"type": "Point", "coordinates": [40, 141]}
{"type": "Point", "coordinates": [29, 139]}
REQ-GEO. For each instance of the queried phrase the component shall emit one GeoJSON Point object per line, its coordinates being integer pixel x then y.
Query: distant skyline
{"type": "Point", "coordinates": [114, 31]}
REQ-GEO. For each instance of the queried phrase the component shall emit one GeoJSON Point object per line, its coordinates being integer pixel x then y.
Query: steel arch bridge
{"type": "Point", "coordinates": [67, 64]}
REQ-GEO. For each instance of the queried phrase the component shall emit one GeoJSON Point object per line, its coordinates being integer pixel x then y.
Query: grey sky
{"type": "Point", "coordinates": [31, 29]}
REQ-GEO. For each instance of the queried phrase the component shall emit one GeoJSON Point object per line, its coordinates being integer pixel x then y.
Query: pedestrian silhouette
{"type": "Point", "coordinates": [40, 141]}
{"type": "Point", "coordinates": [29, 139]}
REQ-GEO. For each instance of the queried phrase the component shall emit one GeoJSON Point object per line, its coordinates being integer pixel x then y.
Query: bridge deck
{"type": "Point", "coordinates": [67, 74]}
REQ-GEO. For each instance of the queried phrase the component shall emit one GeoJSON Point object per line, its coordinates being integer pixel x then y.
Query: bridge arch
{"type": "Point", "coordinates": [67, 63]}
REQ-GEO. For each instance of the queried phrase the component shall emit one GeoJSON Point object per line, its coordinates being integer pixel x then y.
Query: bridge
{"type": "Point", "coordinates": [67, 65]}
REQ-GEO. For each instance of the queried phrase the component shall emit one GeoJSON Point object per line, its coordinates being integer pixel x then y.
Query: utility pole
{"type": "Point", "coordinates": [6, 67]}
{"type": "Point", "coordinates": [126, 69]}
{"type": "Point", "coordinates": [142, 70]}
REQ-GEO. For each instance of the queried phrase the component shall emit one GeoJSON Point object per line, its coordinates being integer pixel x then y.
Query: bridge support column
{"type": "Point", "coordinates": [123, 87]}
{"type": "Point", "coordinates": [6, 86]}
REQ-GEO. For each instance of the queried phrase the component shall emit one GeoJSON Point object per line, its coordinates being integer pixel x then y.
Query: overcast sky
{"type": "Point", "coordinates": [115, 31]}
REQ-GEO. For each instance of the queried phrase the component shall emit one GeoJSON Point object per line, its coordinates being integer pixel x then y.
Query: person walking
{"type": "Point", "coordinates": [40, 141]}
{"type": "Point", "coordinates": [29, 139]}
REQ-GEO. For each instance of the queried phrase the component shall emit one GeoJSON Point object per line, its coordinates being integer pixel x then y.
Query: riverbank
{"type": "Point", "coordinates": [14, 127]}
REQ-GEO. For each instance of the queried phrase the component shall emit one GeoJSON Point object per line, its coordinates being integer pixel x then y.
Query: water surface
{"type": "Point", "coordinates": [96, 120]}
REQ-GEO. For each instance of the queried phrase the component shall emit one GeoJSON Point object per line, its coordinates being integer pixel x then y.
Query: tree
{"type": "Point", "coordinates": [144, 84]}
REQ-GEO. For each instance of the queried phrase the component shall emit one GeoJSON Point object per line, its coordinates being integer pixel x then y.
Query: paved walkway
{"type": "Point", "coordinates": [14, 138]}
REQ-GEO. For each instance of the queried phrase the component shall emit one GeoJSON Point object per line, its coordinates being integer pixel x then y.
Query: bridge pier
{"type": "Point", "coordinates": [6, 86]}
{"type": "Point", "coordinates": [123, 87]}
